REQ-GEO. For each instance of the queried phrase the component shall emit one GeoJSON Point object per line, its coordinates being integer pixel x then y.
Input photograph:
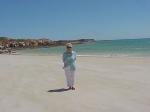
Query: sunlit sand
{"type": "Point", "coordinates": [103, 84]}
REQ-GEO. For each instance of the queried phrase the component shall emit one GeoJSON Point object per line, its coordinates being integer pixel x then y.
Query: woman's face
{"type": "Point", "coordinates": [69, 49]}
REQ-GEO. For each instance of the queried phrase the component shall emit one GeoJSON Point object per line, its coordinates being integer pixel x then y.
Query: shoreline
{"type": "Point", "coordinates": [82, 55]}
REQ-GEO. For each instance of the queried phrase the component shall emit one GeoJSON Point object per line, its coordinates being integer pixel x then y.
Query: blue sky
{"type": "Point", "coordinates": [74, 19]}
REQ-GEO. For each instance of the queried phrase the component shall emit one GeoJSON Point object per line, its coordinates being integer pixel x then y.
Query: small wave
{"type": "Point", "coordinates": [104, 55]}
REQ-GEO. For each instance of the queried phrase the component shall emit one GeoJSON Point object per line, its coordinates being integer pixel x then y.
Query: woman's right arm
{"type": "Point", "coordinates": [63, 57]}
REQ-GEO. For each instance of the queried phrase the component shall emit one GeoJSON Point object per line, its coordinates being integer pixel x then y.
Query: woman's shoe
{"type": "Point", "coordinates": [73, 88]}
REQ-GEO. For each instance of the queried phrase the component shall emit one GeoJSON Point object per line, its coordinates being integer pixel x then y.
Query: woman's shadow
{"type": "Point", "coordinates": [59, 90]}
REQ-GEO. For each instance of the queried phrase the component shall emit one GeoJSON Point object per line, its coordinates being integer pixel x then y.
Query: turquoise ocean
{"type": "Point", "coordinates": [122, 47]}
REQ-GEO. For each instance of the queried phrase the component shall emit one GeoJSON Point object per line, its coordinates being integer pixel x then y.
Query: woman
{"type": "Point", "coordinates": [69, 58]}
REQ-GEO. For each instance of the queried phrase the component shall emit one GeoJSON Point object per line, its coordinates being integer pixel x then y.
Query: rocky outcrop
{"type": "Point", "coordinates": [7, 43]}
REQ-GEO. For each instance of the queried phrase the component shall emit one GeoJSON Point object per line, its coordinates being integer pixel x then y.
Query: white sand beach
{"type": "Point", "coordinates": [103, 84]}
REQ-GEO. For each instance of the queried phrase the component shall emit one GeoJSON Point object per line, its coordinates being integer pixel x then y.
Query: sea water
{"type": "Point", "coordinates": [122, 47]}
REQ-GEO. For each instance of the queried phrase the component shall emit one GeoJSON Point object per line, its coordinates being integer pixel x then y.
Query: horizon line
{"type": "Point", "coordinates": [77, 38]}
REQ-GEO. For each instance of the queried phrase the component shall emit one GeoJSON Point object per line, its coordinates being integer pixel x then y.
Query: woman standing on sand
{"type": "Point", "coordinates": [69, 58]}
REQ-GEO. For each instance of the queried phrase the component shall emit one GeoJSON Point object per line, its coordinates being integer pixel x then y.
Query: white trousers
{"type": "Point", "coordinates": [69, 76]}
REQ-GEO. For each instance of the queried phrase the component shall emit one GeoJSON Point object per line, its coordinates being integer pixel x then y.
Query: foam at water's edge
{"type": "Point", "coordinates": [113, 55]}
